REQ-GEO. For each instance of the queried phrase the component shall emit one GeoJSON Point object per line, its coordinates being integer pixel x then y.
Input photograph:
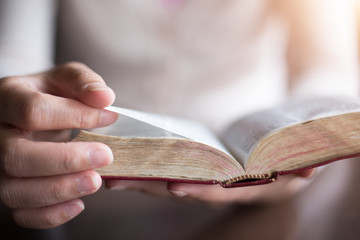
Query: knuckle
{"type": "Point", "coordinates": [48, 220]}
{"type": "Point", "coordinates": [5, 195]}
{"type": "Point", "coordinates": [34, 219]}
{"type": "Point", "coordinates": [28, 106]}
{"type": "Point", "coordinates": [68, 158]}
{"type": "Point", "coordinates": [8, 97]}
{"type": "Point", "coordinates": [86, 118]}
{"type": "Point", "coordinates": [79, 72]}
{"type": "Point", "coordinates": [12, 162]}
{"type": "Point", "coordinates": [19, 218]}
{"type": "Point", "coordinates": [56, 192]}
{"type": "Point", "coordinates": [82, 75]}
{"type": "Point", "coordinates": [68, 161]}
{"type": "Point", "coordinates": [32, 110]}
{"type": "Point", "coordinates": [76, 70]}
{"type": "Point", "coordinates": [9, 196]}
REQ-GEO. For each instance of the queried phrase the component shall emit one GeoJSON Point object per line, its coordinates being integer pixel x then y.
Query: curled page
{"type": "Point", "coordinates": [132, 123]}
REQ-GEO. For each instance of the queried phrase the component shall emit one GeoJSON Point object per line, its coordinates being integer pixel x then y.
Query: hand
{"type": "Point", "coordinates": [41, 179]}
{"type": "Point", "coordinates": [284, 187]}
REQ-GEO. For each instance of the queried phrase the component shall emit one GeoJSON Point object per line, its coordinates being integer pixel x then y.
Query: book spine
{"type": "Point", "coordinates": [246, 183]}
{"type": "Point", "coordinates": [249, 177]}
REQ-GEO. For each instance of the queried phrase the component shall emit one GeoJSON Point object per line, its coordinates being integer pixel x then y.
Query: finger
{"type": "Point", "coordinates": [27, 108]}
{"type": "Point", "coordinates": [215, 193]}
{"type": "Point", "coordinates": [151, 187]}
{"type": "Point", "coordinates": [76, 80]}
{"type": "Point", "coordinates": [281, 189]}
{"type": "Point", "coordinates": [40, 192]}
{"type": "Point", "coordinates": [203, 192]}
{"type": "Point", "coordinates": [308, 173]}
{"type": "Point", "coordinates": [50, 216]}
{"type": "Point", "coordinates": [24, 158]}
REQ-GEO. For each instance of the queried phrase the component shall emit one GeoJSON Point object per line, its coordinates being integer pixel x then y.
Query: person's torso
{"type": "Point", "coordinates": [204, 59]}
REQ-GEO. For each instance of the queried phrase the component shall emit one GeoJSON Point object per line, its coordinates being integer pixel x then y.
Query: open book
{"type": "Point", "coordinates": [253, 150]}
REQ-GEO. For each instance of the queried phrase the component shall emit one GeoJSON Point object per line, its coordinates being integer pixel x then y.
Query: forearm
{"type": "Point", "coordinates": [26, 36]}
{"type": "Point", "coordinates": [322, 50]}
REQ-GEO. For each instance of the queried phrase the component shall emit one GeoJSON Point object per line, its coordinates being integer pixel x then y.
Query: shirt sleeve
{"type": "Point", "coordinates": [26, 36]}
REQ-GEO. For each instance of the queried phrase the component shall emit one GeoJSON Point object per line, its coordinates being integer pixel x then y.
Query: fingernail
{"type": "Point", "coordinates": [97, 86]}
{"type": "Point", "coordinates": [107, 118]}
{"type": "Point", "coordinates": [87, 184]}
{"type": "Point", "coordinates": [178, 193]}
{"type": "Point", "coordinates": [100, 157]}
{"type": "Point", "coordinates": [74, 209]}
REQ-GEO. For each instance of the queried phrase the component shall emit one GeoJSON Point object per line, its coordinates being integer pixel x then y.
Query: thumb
{"type": "Point", "coordinates": [77, 81]}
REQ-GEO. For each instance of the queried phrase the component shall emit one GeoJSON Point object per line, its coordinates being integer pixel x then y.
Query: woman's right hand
{"type": "Point", "coordinates": [42, 177]}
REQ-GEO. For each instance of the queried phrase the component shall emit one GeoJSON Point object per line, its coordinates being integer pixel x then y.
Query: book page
{"type": "Point", "coordinates": [242, 136]}
{"type": "Point", "coordinates": [133, 123]}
